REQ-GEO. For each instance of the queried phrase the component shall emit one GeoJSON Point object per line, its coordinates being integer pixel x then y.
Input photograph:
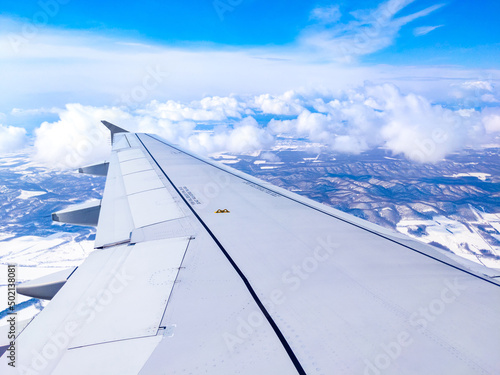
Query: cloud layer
{"type": "Point", "coordinates": [350, 121]}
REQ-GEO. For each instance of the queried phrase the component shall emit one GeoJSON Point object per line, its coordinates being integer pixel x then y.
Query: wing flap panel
{"type": "Point", "coordinates": [141, 181]}
{"type": "Point", "coordinates": [167, 229]}
{"type": "Point", "coordinates": [135, 165]}
{"type": "Point", "coordinates": [152, 207]}
{"type": "Point", "coordinates": [120, 142]}
{"type": "Point", "coordinates": [134, 153]}
{"type": "Point", "coordinates": [115, 219]}
{"type": "Point", "coordinates": [117, 294]}
{"type": "Point", "coordinates": [114, 358]}
{"type": "Point", "coordinates": [134, 197]}
{"type": "Point", "coordinates": [120, 287]}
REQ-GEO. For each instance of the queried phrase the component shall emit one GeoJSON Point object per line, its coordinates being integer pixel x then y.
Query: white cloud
{"type": "Point", "coordinates": [349, 124]}
{"type": "Point", "coordinates": [246, 136]}
{"type": "Point", "coordinates": [478, 85]}
{"type": "Point", "coordinates": [421, 131]}
{"type": "Point", "coordinates": [370, 31]}
{"type": "Point", "coordinates": [208, 109]}
{"type": "Point", "coordinates": [424, 30]}
{"type": "Point", "coordinates": [78, 138]}
{"type": "Point", "coordinates": [270, 157]}
{"type": "Point", "coordinates": [12, 138]}
{"type": "Point", "coordinates": [287, 104]}
{"type": "Point", "coordinates": [330, 14]}
{"type": "Point", "coordinates": [382, 116]}
{"type": "Point", "coordinates": [317, 127]}
{"type": "Point", "coordinates": [75, 140]}
{"type": "Point", "coordinates": [489, 98]}
{"type": "Point", "coordinates": [491, 120]}
{"type": "Point", "coordinates": [474, 93]}
{"type": "Point", "coordinates": [350, 121]}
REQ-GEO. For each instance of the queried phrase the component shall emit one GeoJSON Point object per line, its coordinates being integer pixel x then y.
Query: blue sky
{"type": "Point", "coordinates": [468, 32]}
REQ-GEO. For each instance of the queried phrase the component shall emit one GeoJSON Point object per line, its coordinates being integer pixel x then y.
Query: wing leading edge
{"type": "Point", "coordinates": [222, 273]}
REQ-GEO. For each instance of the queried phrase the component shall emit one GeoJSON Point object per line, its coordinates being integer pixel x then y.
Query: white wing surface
{"type": "Point", "coordinates": [203, 269]}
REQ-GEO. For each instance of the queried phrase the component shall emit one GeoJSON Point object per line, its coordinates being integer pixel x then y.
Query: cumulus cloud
{"type": "Point", "coordinates": [351, 121]}
{"type": "Point", "coordinates": [208, 109]}
{"type": "Point", "coordinates": [287, 104]}
{"type": "Point", "coordinates": [246, 136]}
{"type": "Point", "coordinates": [75, 140]}
{"type": "Point", "coordinates": [270, 157]}
{"type": "Point", "coordinates": [78, 138]}
{"type": "Point", "coordinates": [416, 128]}
{"type": "Point", "coordinates": [382, 116]}
{"type": "Point", "coordinates": [474, 93]}
{"type": "Point", "coordinates": [348, 124]}
{"type": "Point", "coordinates": [12, 138]}
{"type": "Point", "coordinates": [491, 120]}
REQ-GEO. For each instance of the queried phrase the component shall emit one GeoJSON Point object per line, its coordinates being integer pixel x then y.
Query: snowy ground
{"type": "Point", "coordinates": [462, 238]}
{"type": "Point", "coordinates": [36, 257]}
{"type": "Point", "coordinates": [29, 193]}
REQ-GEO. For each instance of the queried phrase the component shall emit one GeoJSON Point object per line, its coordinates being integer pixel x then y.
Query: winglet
{"type": "Point", "coordinates": [113, 129]}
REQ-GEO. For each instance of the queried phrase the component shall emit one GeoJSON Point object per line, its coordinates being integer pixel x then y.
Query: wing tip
{"type": "Point", "coordinates": [113, 129]}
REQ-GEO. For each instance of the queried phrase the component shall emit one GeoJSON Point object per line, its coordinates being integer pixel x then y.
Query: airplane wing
{"type": "Point", "coordinates": [201, 269]}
